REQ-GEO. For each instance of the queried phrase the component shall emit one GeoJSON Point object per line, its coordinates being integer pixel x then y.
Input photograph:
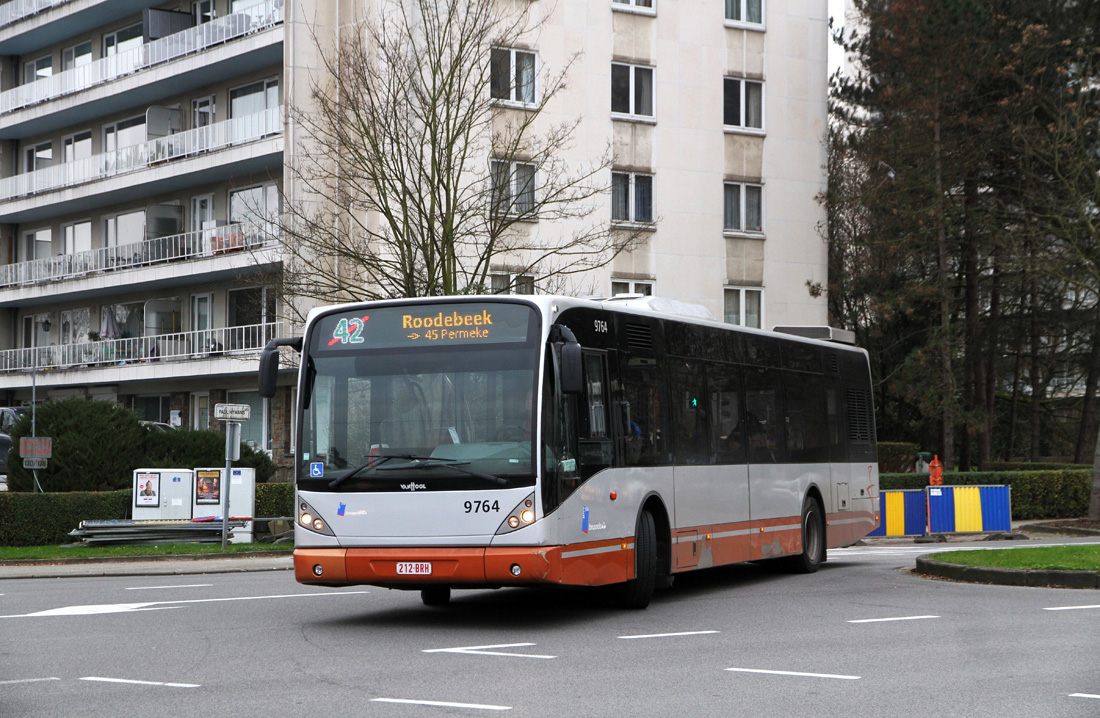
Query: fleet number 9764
{"type": "Point", "coordinates": [481, 507]}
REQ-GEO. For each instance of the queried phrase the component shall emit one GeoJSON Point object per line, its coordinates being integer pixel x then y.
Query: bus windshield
{"type": "Point", "coordinates": [394, 414]}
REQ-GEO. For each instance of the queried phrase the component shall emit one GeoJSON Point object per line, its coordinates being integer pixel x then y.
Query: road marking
{"type": "Point", "coordinates": [97, 609]}
{"type": "Point", "coordinates": [188, 585]}
{"type": "Point", "coordinates": [442, 704]}
{"type": "Point", "coordinates": [666, 635]}
{"type": "Point", "coordinates": [1083, 695]}
{"type": "Point", "coordinates": [884, 620]}
{"type": "Point", "coordinates": [795, 673]}
{"type": "Point", "coordinates": [140, 683]}
{"type": "Point", "coordinates": [1069, 608]}
{"type": "Point", "coordinates": [483, 650]}
{"type": "Point", "coordinates": [27, 680]}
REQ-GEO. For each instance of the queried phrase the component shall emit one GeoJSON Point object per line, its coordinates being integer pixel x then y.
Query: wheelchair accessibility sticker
{"type": "Point", "coordinates": [316, 470]}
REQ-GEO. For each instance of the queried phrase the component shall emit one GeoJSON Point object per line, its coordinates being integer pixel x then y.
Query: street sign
{"type": "Point", "coordinates": [36, 447]}
{"type": "Point", "coordinates": [34, 463]}
{"type": "Point", "coordinates": [232, 412]}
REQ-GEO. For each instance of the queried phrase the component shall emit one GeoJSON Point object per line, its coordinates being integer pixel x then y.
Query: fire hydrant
{"type": "Point", "coordinates": [935, 471]}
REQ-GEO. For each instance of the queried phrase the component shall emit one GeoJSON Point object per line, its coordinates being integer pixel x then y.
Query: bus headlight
{"type": "Point", "coordinates": [522, 515]}
{"type": "Point", "coordinates": [309, 519]}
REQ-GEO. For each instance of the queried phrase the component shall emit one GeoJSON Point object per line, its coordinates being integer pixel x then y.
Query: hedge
{"type": "Point", "coordinates": [34, 519]}
{"type": "Point", "coordinates": [1058, 494]}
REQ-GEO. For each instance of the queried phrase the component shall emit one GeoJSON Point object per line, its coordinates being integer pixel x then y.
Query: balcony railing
{"type": "Point", "coordinates": [218, 136]}
{"type": "Point", "coordinates": [180, 44]}
{"type": "Point", "coordinates": [18, 9]}
{"type": "Point", "coordinates": [177, 247]}
{"type": "Point", "coordinates": [202, 344]}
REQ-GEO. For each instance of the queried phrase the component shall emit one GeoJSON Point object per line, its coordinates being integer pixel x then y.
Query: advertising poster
{"type": "Point", "coordinates": [208, 487]}
{"type": "Point", "coordinates": [147, 491]}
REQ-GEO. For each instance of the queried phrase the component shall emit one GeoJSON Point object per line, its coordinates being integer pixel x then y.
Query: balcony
{"type": "Point", "coordinates": [228, 350]}
{"type": "Point", "coordinates": [17, 10]}
{"type": "Point", "coordinates": [18, 105]}
{"type": "Point", "coordinates": [228, 251]}
{"type": "Point", "coordinates": [216, 150]}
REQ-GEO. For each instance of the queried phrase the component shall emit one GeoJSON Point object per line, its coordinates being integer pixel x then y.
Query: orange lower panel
{"type": "Point", "coordinates": [585, 565]}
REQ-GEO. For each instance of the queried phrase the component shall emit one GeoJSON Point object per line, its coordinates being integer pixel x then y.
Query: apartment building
{"type": "Point", "coordinates": [143, 153]}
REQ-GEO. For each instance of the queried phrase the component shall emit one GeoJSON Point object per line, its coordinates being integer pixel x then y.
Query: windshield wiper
{"type": "Point", "coordinates": [375, 460]}
{"type": "Point", "coordinates": [430, 462]}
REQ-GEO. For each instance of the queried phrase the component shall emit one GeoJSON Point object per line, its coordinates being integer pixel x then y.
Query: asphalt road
{"type": "Point", "coordinates": [860, 638]}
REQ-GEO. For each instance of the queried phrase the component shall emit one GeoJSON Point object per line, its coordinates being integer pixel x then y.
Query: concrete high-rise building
{"type": "Point", "coordinates": [144, 145]}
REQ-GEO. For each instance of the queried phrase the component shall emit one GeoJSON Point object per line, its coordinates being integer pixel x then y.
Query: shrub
{"type": "Point", "coordinates": [897, 456]}
{"type": "Point", "coordinates": [96, 446]}
{"type": "Point", "coordinates": [46, 519]}
{"type": "Point", "coordinates": [1035, 494]}
{"type": "Point", "coordinates": [274, 500]}
{"type": "Point", "coordinates": [188, 449]}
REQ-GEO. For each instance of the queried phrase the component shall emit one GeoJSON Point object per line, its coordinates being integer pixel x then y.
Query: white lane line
{"type": "Point", "coordinates": [1083, 695]}
{"type": "Point", "coordinates": [884, 620]}
{"type": "Point", "coordinates": [140, 683]}
{"type": "Point", "coordinates": [442, 704]}
{"type": "Point", "coordinates": [667, 635]}
{"type": "Point", "coordinates": [27, 680]}
{"type": "Point", "coordinates": [794, 673]}
{"type": "Point", "coordinates": [96, 609]}
{"type": "Point", "coordinates": [1069, 608]}
{"type": "Point", "coordinates": [484, 650]}
{"type": "Point", "coordinates": [188, 585]}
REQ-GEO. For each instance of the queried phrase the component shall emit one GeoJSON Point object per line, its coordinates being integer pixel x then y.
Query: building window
{"type": "Point", "coordinates": [37, 157]}
{"type": "Point", "coordinates": [77, 147]}
{"type": "Point", "coordinates": [744, 208]}
{"type": "Point", "coordinates": [623, 286]}
{"type": "Point", "coordinates": [255, 97]}
{"type": "Point", "coordinates": [75, 325]}
{"type": "Point", "coordinates": [747, 12]}
{"type": "Point", "coordinates": [631, 197]}
{"type": "Point", "coordinates": [248, 311]}
{"type": "Point", "coordinates": [255, 207]}
{"type": "Point", "coordinates": [744, 307]}
{"type": "Point", "coordinates": [126, 133]}
{"type": "Point", "coordinates": [76, 56]}
{"type": "Point", "coordinates": [37, 245]}
{"type": "Point", "coordinates": [512, 76]}
{"type": "Point", "coordinates": [639, 5]}
{"type": "Point", "coordinates": [122, 40]}
{"type": "Point", "coordinates": [632, 90]}
{"type": "Point", "coordinates": [511, 283]}
{"type": "Point", "coordinates": [37, 69]}
{"type": "Point", "coordinates": [203, 11]}
{"type": "Point", "coordinates": [77, 237]}
{"type": "Point", "coordinates": [128, 228]}
{"type": "Point", "coordinates": [743, 104]}
{"type": "Point", "coordinates": [256, 432]}
{"type": "Point", "coordinates": [513, 188]}
{"type": "Point", "coordinates": [152, 408]}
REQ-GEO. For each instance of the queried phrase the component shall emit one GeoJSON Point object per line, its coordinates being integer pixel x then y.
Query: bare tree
{"type": "Point", "coordinates": [429, 157]}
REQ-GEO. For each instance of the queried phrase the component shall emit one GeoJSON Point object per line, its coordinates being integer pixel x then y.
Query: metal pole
{"type": "Point", "coordinates": [34, 416]}
{"type": "Point", "coordinates": [232, 432]}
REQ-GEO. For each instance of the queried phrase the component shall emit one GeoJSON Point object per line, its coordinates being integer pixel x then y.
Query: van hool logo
{"type": "Point", "coordinates": [413, 487]}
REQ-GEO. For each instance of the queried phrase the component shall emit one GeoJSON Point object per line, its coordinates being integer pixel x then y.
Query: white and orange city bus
{"type": "Point", "coordinates": [471, 442]}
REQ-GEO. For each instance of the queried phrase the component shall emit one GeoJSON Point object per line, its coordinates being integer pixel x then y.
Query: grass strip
{"type": "Point", "coordinates": [1048, 558]}
{"type": "Point", "coordinates": [49, 553]}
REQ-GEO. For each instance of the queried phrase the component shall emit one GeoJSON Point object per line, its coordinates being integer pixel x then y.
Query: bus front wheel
{"type": "Point", "coordinates": [436, 595]}
{"type": "Point", "coordinates": [813, 539]}
{"type": "Point", "coordinates": [637, 592]}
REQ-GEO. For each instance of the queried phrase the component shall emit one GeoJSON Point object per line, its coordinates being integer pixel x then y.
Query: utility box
{"type": "Point", "coordinates": [163, 494]}
{"type": "Point", "coordinates": [207, 497]}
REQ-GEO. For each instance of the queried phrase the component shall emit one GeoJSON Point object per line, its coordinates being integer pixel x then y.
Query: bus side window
{"type": "Point", "coordinates": [595, 443]}
{"type": "Point", "coordinates": [640, 392]}
{"type": "Point", "coordinates": [764, 416]}
{"type": "Point", "coordinates": [728, 427]}
{"type": "Point", "coordinates": [689, 414]}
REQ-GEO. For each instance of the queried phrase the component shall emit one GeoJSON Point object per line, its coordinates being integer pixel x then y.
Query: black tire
{"type": "Point", "coordinates": [813, 539]}
{"type": "Point", "coordinates": [637, 592]}
{"type": "Point", "coordinates": [436, 595]}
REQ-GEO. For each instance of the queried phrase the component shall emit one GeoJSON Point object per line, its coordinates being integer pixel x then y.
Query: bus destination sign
{"type": "Point", "coordinates": [426, 324]}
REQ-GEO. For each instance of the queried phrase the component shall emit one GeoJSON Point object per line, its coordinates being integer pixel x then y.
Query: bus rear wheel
{"type": "Point", "coordinates": [813, 539]}
{"type": "Point", "coordinates": [637, 592]}
{"type": "Point", "coordinates": [436, 595]}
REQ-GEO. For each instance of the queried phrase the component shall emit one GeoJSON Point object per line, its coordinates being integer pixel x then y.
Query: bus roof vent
{"type": "Point", "coordinates": [662, 305]}
{"type": "Point", "coordinates": [829, 334]}
{"type": "Point", "coordinates": [639, 336]}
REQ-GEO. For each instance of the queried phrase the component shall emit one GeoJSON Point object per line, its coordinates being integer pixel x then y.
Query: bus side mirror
{"type": "Point", "coordinates": [269, 363]}
{"type": "Point", "coordinates": [572, 372]}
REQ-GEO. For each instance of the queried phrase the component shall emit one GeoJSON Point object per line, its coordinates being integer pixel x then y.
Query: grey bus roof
{"type": "Point", "coordinates": [829, 334]}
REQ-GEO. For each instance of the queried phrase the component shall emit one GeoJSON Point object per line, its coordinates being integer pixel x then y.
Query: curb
{"type": "Point", "coordinates": [928, 566]}
{"type": "Point", "coordinates": [85, 561]}
{"type": "Point", "coordinates": [1064, 530]}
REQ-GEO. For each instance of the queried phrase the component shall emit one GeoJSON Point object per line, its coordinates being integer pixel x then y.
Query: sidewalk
{"type": "Point", "coordinates": [151, 566]}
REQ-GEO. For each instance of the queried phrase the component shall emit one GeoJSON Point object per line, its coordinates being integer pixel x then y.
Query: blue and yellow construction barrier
{"type": "Point", "coordinates": [944, 509]}
{"type": "Point", "coordinates": [969, 509]}
{"type": "Point", "coordinates": [902, 513]}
